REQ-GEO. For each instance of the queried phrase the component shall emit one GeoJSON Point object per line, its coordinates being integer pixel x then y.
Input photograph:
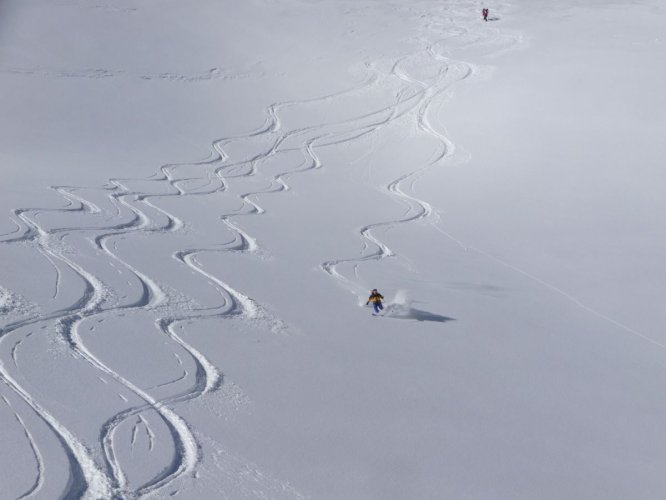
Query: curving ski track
{"type": "Point", "coordinates": [118, 211]}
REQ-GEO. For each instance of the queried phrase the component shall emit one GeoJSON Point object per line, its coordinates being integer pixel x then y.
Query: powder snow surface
{"type": "Point", "coordinates": [197, 198]}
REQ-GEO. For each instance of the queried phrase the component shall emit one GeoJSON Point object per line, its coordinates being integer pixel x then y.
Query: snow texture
{"type": "Point", "coordinates": [197, 198]}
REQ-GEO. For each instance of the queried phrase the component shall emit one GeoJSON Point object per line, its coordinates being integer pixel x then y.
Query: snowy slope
{"type": "Point", "coordinates": [199, 196]}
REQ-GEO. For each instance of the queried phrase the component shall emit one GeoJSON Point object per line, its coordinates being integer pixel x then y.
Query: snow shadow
{"type": "Point", "coordinates": [406, 312]}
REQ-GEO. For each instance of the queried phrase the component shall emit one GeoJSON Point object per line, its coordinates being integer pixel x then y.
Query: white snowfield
{"type": "Point", "coordinates": [197, 198]}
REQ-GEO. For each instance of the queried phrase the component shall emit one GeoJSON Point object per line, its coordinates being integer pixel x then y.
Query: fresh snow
{"type": "Point", "coordinates": [197, 198]}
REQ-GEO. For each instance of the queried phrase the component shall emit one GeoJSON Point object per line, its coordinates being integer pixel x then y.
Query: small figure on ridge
{"type": "Point", "coordinates": [485, 14]}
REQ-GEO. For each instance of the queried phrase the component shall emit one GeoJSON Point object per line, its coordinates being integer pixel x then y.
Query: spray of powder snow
{"type": "Point", "coordinates": [400, 306]}
{"type": "Point", "coordinates": [401, 300]}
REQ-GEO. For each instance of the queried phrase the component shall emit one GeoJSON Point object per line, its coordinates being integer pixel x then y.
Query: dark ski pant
{"type": "Point", "coordinates": [378, 307]}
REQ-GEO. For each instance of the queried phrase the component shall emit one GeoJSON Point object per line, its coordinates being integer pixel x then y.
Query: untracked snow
{"type": "Point", "coordinates": [198, 197]}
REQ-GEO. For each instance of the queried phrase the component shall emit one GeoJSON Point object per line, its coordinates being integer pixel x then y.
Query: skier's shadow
{"type": "Point", "coordinates": [419, 315]}
{"type": "Point", "coordinates": [494, 18]}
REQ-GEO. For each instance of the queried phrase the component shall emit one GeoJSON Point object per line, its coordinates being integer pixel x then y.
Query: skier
{"type": "Point", "coordinates": [485, 14]}
{"type": "Point", "coordinates": [376, 299]}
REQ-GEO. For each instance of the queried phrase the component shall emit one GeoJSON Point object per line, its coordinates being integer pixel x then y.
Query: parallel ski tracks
{"type": "Point", "coordinates": [138, 212]}
{"type": "Point", "coordinates": [88, 477]}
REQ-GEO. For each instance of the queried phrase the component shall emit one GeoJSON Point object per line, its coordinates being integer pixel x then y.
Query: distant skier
{"type": "Point", "coordinates": [485, 14]}
{"type": "Point", "coordinates": [376, 299]}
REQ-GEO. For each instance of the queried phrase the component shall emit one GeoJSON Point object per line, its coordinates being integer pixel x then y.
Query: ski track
{"type": "Point", "coordinates": [213, 74]}
{"type": "Point", "coordinates": [39, 480]}
{"type": "Point", "coordinates": [133, 212]}
{"type": "Point", "coordinates": [428, 93]}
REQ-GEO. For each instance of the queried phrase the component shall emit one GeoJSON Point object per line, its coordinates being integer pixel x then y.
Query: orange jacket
{"type": "Point", "coordinates": [375, 297]}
